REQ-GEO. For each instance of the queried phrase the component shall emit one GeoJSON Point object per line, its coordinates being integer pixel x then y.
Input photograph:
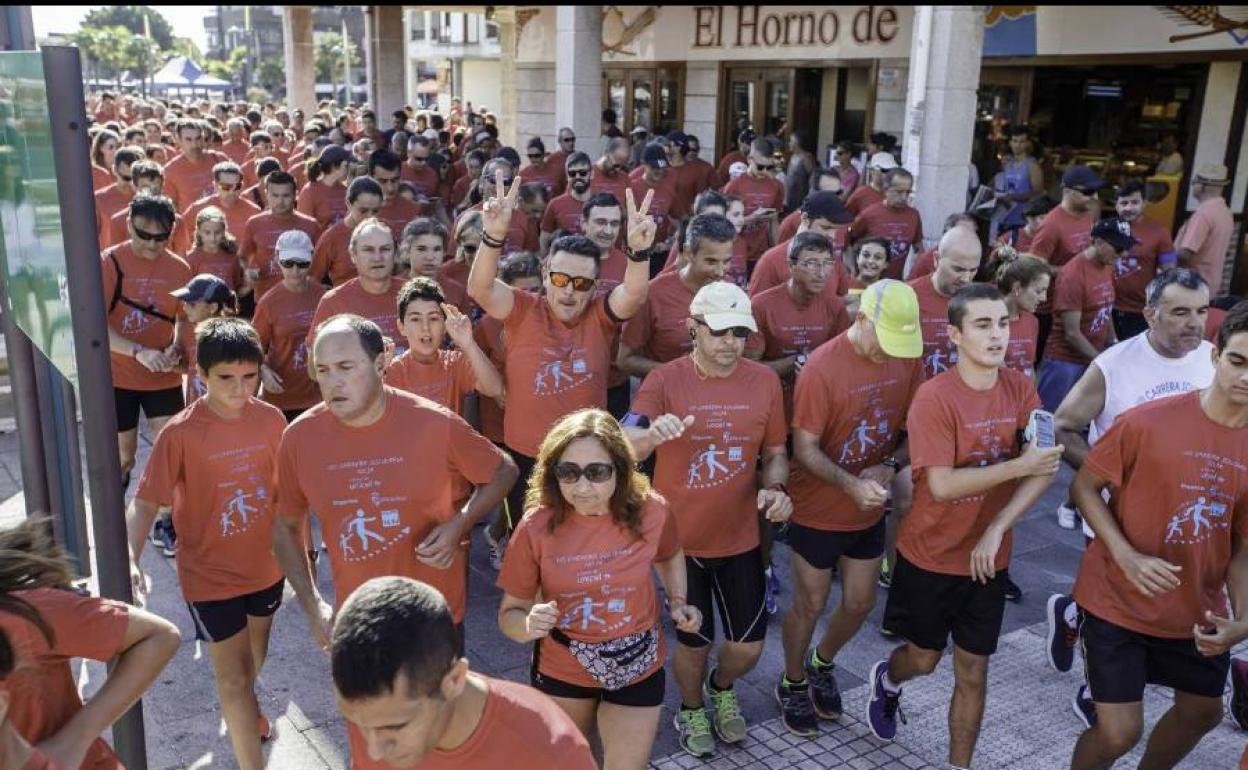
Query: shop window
{"type": "Point", "coordinates": [645, 95]}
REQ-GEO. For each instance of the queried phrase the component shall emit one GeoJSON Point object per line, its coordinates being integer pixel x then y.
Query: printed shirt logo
{"type": "Point", "coordinates": [993, 442]}
{"type": "Point", "coordinates": [897, 234]}
{"type": "Point", "coordinates": [1125, 267]}
{"type": "Point", "coordinates": [1102, 317]}
{"type": "Point", "coordinates": [1207, 502]}
{"type": "Point", "coordinates": [135, 320]}
{"type": "Point", "coordinates": [239, 514]}
{"type": "Point", "coordinates": [1195, 521]}
{"type": "Point", "coordinates": [299, 360]}
{"type": "Point", "coordinates": [561, 370]}
{"type": "Point", "coordinates": [371, 523]}
{"type": "Point", "coordinates": [720, 456]}
{"type": "Point", "coordinates": [600, 608]}
{"type": "Point", "coordinates": [363, 536]}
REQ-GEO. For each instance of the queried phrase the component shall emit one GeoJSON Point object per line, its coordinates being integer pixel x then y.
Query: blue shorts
{"type": "Point", "coordinates": [1056, 379]}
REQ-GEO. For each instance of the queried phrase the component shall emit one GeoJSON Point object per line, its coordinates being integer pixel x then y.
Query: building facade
{"type": "Point", "coordinates": [453, 54]}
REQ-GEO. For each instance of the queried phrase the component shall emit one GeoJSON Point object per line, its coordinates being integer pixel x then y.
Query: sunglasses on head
{"type": "Point", "coordinates": [596, 473]}
{"type": "Point", "coordinates": [764, 166]}
{"type": "Point", "coordinates": [740, 332]}
{"type": "Point", "coordinates": [146, 236]}
{"type": "Point", "coordinates": [578, 174]}
{"type": "Point", "coordinates": [579, 283]}
{"type": "Point", "coordinates": [294, 263]}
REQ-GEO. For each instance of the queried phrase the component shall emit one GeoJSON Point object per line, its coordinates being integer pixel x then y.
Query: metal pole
{"type": "Point", "coordinates": [62, 71]}
{"type": "Point", "coordinates": [21, 355]}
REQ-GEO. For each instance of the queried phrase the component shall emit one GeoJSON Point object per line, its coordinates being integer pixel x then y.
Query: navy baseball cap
{"type": "Point", "coordinates": [654, 156]}
{"type": "Point", "coordinates": [1083, 179]}
{"type": "Point", "coordinates": [1116, 232]}
{"type": "Point", "coordinates": [332, 155]}
{"type": "Point", "coordinates": [679, 138]}
{"type": "Point", "coordinates": [204, 287]}
{"type": "Point", "coordinates": [826, 205]}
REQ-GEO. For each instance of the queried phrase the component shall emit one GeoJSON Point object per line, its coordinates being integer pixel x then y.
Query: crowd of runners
{"type": "Point", "coordinates": [352, 344]}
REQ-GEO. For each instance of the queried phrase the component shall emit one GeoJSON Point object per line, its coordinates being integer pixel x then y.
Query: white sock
{"type": "Point", "coordinates": [955, 767]}
{"type": "Point", "coordinates": [890, 685]}
{"type": "Point", "coordinates": [1072, 615]}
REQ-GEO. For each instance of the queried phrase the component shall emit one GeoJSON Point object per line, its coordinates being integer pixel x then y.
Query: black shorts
{"type": "Point", "coordinates": [822, 549]}
{"type": "Point", "coordinates": [644, 694]}
{"type": "Point", "coordinates": [515, 498]}
{"type": "Point", "coordinates": [154, 403]}
{"type": "Point", "coordinates": [1119, 662]}
{"type": "Point", "coordinates": [737, 588]}
{"type": "Point", "coordinates": [924, 608]}
{"type": "Point", "coordinates": [219, 620]}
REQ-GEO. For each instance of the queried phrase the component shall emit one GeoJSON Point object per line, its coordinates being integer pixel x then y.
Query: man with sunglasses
{"type": "Point", "coordinates": [228, 178]}
{"type": "Point", "coordinates": [657, 334]}
{"type": "Point", "coordinates": [567, 146]}
{"type": "Point", "coordinates": [894, 220]}
{"type": "Point", "coordinates": [542, 170]}
{"type": "Point", "coordinates": [611, 171]}
{"type": "Point", "coordinates": [564, 212]}
{"type": "Point", "coordinates": [332, 258]}
{"type": "Point", "coordinates": [256, 247]}
{"type": "Point", "coordinates": [148, 178]}
{"type": "Point", "coordinates": [116, 198]}
{"type": "Point", "coordinates": [138, 276]}
{"type": "Point", "coordinates": [1066, 232]}
{"type": "Point", "coordinates": [559, 343]}
{"type": "Point", "coordinates": [714, 418]}
{"type": "Point", "coordinates": [189, 175]}
{"type": "Point", "coordinates": [821, 213]}
{"type": "Point", "coordinates": [763, 196]}
{"type": "Point", "coordinates": [416, 169]}
{"type": "Point", "coordinates": [744, 140]}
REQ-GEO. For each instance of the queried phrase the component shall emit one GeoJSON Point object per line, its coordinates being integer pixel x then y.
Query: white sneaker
{"type": "Point", "coordinates": [1067, 517]}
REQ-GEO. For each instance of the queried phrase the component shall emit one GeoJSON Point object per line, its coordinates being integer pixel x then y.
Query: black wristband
{"type": "Point", "coordinates": [489, 241]}
{"type": "Point", "coordinates": [634, 256]}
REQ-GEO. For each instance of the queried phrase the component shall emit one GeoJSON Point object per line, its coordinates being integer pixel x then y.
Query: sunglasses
{"type": "Point", "coordinates": [578, 174]}
{"type": "Point", "coordinates": [567, 139]}
{"type": "Point", "coordinates": [764, 166]}
{"type": "Point", "coordinates": [596, 473]}
{"type": "Point", "coordinates": [507, 181]}
{"type": "Point", "coordinates": [294, 263]}
{"type": "Point", "coordinates": [157, 237]}
{"type": "Point", "coordinates": [579, 283]}
{"type": "Point", "coordinates": [229, 186]}
{"type": "Point", "coordinates": [740, 332]}
{"type": "Point", "coordinates": [535, 156]}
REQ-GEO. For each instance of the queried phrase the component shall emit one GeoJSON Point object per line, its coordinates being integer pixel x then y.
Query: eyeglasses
{"type": "Point", "coordinates": [294, 264]}
{"type": "Point", "coordinates": [229, 186]}
{"type": "Point", "coordinates": [579, 282]}
{"type": "Point", "coordinates": [740, 332]}
{"type": "Point", "coordinates": [813, 265]}
{"type": "Point", "coordinates": [578, 174]}
{"type": "Point", "coordinates": [157, 237]}
{"type": "Point", "coordinates": [596, 473]}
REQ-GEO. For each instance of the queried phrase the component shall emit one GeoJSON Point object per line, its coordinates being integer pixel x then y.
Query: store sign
{"type": "Point", "coordinates": [749, 26]}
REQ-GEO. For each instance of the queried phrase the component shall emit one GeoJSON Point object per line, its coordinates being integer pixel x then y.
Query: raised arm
{"type": "Point", "coordinates": [627, 298]}
{"type": "Point", "coordinates": [484, 286]}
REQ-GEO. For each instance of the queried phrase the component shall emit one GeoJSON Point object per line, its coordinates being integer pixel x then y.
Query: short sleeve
{"type": "Point", "coordinates": [520, 575]}
{"type": "Point", "coordinates": [470, 454]}
{"type": "Point", "coordinates": [523, 303]}
{"type": "Point", "coordinates": [1111, 457]}
{"type": "Point", "coordinates": [247, 243]}
{"type": "Point", "coordinates": [814, 408]}
{"type": "Point", "coordinates": [263, 324]}
{"type": "Point", "coordinates": [932, 432]}
{"type": "Point", "coordinates": [1029, 399]}
{"type": "Point", "coordinates": [463, 374]}
{"type": "Point", "coordinates": [108, 272]}
{"type": "Point", "coordinates": [163, 470]}
{"type": "Point", "coordinates": [549, 223]}
{"type": "Point", "coordinates": [291, 501]}
{"type": "Point", "coordinates": [669, 538]}
{"type": "Point", "coordinates": [917, 240]}
{"type": "Point", "coordinates": [84, 626]}
{"type": "Point", "coordinates": [395, 374]}
{"type": "Point", "coordinates": [637, 329]}
{"type": "Point", "coordinates": [777, 430]}
{"type": "Point", "coordinates": [1044, 244]}
{"type": "Point", "coordinates": [321, 258]}
{"type": "Point", "coordinates": [1069, 292]}
{"type": "Point", "coordinates": [1194, 232]}
{"type": "Point", "coordinates": [859, 227]}
{"type": "Point", "coordinates": [649, 401]}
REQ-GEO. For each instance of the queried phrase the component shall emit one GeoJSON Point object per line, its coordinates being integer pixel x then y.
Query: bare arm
{"type": "Point", "coordinates": [775, 467]}
{"type": "Point", "coordinates": [633, 363]}
{"type": "Point", "coordinates": [484, 286]}
{"type": "Point", "coordinates": [983, 557]}
{"type": "Point", "coordinates": [139, 520]}
{"type": "Point", "coordinates": [672, 575]}
{"type": "Point", "coordinates": [955, 483]}
{"type": "Point", "coordinates": [627, 298]}
{"type": "Point", "coordinates": [489, 382]}
{"type": "Point", "coordinates": [1082, 404]}
{"type": "Point", "coordinates": [1074, 335]}
{"type": "Point", "coordinates": [513, 616]}
{"type": "Point", "coordinates": [811, 458]}
{"type": "Point", "coordinates": [293, 559]}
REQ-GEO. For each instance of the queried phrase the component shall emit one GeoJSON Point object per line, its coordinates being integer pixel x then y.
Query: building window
{"type": "Point", "coordinates": [647, 95]}
{"type": "Point", "coordinates": [444, 28]}
{"type": "Point", "coordinates": [491, 31]}
{"type": "Point", "coordinates": [418, 25]}
{"type": "Point", "coordinates": [472, 28]}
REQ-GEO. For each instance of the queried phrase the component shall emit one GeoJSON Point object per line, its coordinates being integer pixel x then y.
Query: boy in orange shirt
{"type": "Point", "coordinates": [214, 464]}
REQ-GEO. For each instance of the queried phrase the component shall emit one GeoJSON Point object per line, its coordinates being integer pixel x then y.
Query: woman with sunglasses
{"type": "Point", "coordinates": [577, 580]}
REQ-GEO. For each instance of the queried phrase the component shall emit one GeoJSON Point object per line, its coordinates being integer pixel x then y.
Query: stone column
{"type": "Point", "coordinates": [299, 57]}
{"type": "Point", "coordinates": [508, 110]}
{"type": "Point", "coordinates": [386, 58]}
{"type": "Point", "coordinates": [945, 58]}
{"type": "Point", "coordinates": [578, 73]}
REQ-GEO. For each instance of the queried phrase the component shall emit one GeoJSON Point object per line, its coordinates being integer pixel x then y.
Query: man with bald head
{"type": "Point", "coordinates": [957, 261]}
{"type": "Point", "coordinates": [611, 171]}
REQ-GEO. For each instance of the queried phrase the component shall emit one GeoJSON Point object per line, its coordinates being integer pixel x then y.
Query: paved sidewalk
{"type": "Point", "coordinates": [1029, 724]}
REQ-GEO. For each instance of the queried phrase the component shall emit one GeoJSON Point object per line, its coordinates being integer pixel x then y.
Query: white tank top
{"type": "Point", "coordinates": [1135, 374]}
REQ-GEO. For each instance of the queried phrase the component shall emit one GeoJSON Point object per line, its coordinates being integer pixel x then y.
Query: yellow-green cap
{"type": "Point", "coordinates": [893, 308]}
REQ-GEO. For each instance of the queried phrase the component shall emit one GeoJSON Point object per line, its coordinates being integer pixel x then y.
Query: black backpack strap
{"type": "Point", "coordinates": [120, 297]}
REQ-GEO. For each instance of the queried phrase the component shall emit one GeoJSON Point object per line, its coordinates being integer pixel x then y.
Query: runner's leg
{"type": "Point", "coordinates": [235, 675]}
{"type": "Point", "coordinates": [1118, 728]}
{"type": "Point", "coordinates": [1180, 729]}
{"type": "Point", "coordinates": [736, 659]}
{"type": "Point", "coordinates": [857, 600]}
{"type": "Point", "coordinates": [689, 668]}
{"type": "Point", "coordinates": [627, 735]}
{"type": "Point", "coordinates": [811, 587]}
{"type": "Point", "coordinates": [582, 712]}
{"type": "Point", "coordinates": [966, 709]}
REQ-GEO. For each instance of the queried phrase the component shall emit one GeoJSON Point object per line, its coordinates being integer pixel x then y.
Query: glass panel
{"type": "Point", "coordinates": [615, 97]}
{"type": "Point", "coordinates": [777, 110]}
{"type": "Point", "coordinates": [742, 105]}
{"type": "Point", "coordinates": [669, 95]}
{"type": "Point", "coordinates": [643, 103]}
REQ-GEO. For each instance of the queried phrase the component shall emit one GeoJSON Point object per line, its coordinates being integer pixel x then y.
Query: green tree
{"type": "Point", "coordinates": [131, 17]}
{"type": "Point", "coordinates": [328, 53]}
{"type": "Point", "coordinates": [142, 58]}
{"type": "Point", "coordinates": [109, 51]}
{"type": "Point", "coordinates": [231, 68]}
{"type": "Point", "coordinates": [271, 75]}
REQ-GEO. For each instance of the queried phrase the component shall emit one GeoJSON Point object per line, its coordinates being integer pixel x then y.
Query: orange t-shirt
{"type": "Point", "coordinates": [773, 268]}
{"type": "Point", "coordinates": [398, 211]}
{"type": "Point", "coordinates": [1180, 493]}
{"type": "Point", "coordinates": [332, 256]}
{"type": "Point", "coordinates": [789, 225]}
{"type": "Point", "coordinates": [218, 476]}
{"type": "Point", "coordinates": [786, 328]}
{"type": "Point", "coordinates": [599, 575]}
{"type": "Point", "coordinates": [1132, 275]}
{"type": "Point", "coordinates": [902, 228]}
{"type": "Point", "coordinates": [546, 174]}
{"type": "Point", "coordinates": [283, 319]}
{"type": "Point", "coordinates": [563, 213]}
{"type": "Point", "coordinates": [235, 150]}
{"type": "Point", "coordinates": [192, 386]}
{"type": "Point", "coordinates": [939, 353]}
{"type": "Point", "coordinates": [326, 203]}
{"type": "Point", "coordinates": [708, 475]}
{"type": "Point", "coordinates": [423, 178]}
{"type": "Point", "coordinates": [658, 330]}
{"type": "Point", "coordinates": [101, 177]}
{"type": "Point", "coordinates": [858, 410]}
{"type": "Point", "coordinates": [43, 696]}
{"type": "Point", "coordinates": [382, 309]}
{"type": "Point", "coordinates": [615, 184]}
{"type": "Point", "coordinates": [148, 283]}
{"type": "Point", "coordinates": [725, 163]}
{"type": "Point", "coordinates": [664, 205]}
{"type": "Point", "coordinates": [552, 368]}
{"type": "Point", "coordinates": [236, 217]}
{"type": "Point", "coordinates": [108, 202]}
{"type": "Point", "coordinates": [1060, 236]}
{"type": "Point", "coordinates": [378, 492]}
{"type": "Point", "coordinates": [259, 241]}
{"type": "Point", "coordinates": [1021, 352]}
{"type": "Point", "coordinates": [862, 199]}
{"type": "Point", "coordinates": [520, 729]}
{"type": "Point", "coordinates": [756, 194]}
{"type": "Point", "coordinates": [445, 381]}
{"type": "Point", "coordinates": [488, 332]}
{"type": "Point", "coordinates": [222, 264]}
{"type": "Point", "coordinates": [1088, 287]}
{"type": "Point", "coordinates": [924, 264]}
{"type": "Point", "coordinates": [953, 426]}
{"type": "Point", "coordinates": [689, 183]}
{"type": "Point", "coordinates": [187, 181]}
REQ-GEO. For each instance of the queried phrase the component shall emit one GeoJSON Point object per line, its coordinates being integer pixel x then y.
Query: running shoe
{"type": "Point", "coordinates": [1067, 517]}
{"type": "Point", "coordinates": [156, 536]}
{"type": "Point", "coordinates": [885, 580]}
{"type": "Point", "coordinates": [729, 722]}
{"type": "Point", "coordinates": [168, 538]}
{"type": "Point", "coordinates": [1062, 635]}
{"type": "Point", "coordinates": [1012, 592]}
{"type": "Point", "coordinates": [1083, 707]}
{"type": "Point", "coordinates": [883, 707]}
{"type": "Point", "coordinates": [825, 695]}
{"type": "Point", "coordinates": [694, 727]}
{"type": "Point", "coordinates": [886, 633]}
{"type": "Point", "coordinates": [796, 710]}
{"type": "Point", "coordinates": [1239, 692]}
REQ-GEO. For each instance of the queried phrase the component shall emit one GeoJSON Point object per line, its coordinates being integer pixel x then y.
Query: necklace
{"type": "Point", "coordinates": [698, 368]}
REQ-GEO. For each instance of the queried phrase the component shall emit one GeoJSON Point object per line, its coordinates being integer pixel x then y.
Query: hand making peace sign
{"type": "Point", "coordinates": [641, 228]}
{"type": "Point", "coordinates": [496, 211]}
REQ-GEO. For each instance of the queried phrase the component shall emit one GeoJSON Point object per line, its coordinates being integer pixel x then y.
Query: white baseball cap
{"type": "Point", "coordinates": [883, 161]}
{"type": "Point", "coordinates": [723, 305]}
{"type": "Point", "coordinates": [294, 245]}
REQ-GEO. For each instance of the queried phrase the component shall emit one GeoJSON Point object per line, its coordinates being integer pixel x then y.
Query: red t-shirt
{"type": "Point", "coordinates": [546, 174]}
{"type": "Point", "coordinates": [709, 475]}
{"type": "Point", "coordinates": [689, 180]}
{"type": "Point", "coordinates": [704, 175]}
{"type": "Point", "coordinates": [445, 381]}
{"type": "Point", "coordinates": [423, 178]}
{"type": "Point", "coordinates": [398, 211]}
{"type": "Point", "coordinates": [773, 268]}
{"type": "Point", "coordinates": [789, 225]}
{"type": "Point", "coordinates": [563, 213]}
{"type": "Point", "coordinates": [236, 217]}
{"type": "Point", "coordinates": [858, 409]}
{"type": "Point", "coordinates": [552, 368]}
{"type": "Point", "coordinates": [187, 181]}
{"type": "Point", "coordinates": [658, 330]}
{"type": "Point", "coordinates": [332, 256]}
{"type": "Point", "coordinates": [193, 388]}
{"type": "Point", "coordinates": [662, 205]}
{"type": "Point", "coordinates": [235, 150]}
{"type": "Point", "coordinates": [1180, 493]}
{"type": "Point", "coordinates": [599, 575]}
{"type": "Point", "coordinates": [725, 164]}
{"type": "Point", "coordinates": [615, 184]}
{"type": "Point", "coordinates": [1061, 236]}
{"type": "Point", "coordinates": [325, 203]}
{"type": "Point", "coordinates": [1213, 323]}
{"type": "Point", "coordinates": [924, 264]}
{"type": "Point", "coordinates": [222, 264]}
{"type": "Point", "coordinates": [43, 696]}
{"type": "Point", "coordinates": [283, 320]}
{"type": "Point", "coordinates": [756, 194]}
{"type": "Point", "coordinates": [217, 475]}
{"type": "Point", "coordinates": [378, 493]}
{"type": "Point", "coordinates": [259, 241]}
{"type": "Point", "coordinates": [148, 283]}
{"type": "Point", "coordinates": [488, 332]}
{"type": "Point", "coordinates": [952, 425]}
{"type": "Point", "coordinates": [787, 328]}
{"type": "Point", "coordinates": [109, 202]}
{"type": "Point", "coordinates": [862, 199]}
{"type": "Point", "coordinates": [1132, 274]}
{"type": "Point", "coordinates": [1021, 352]}
{"type": "Point", "coordinates": [939, 353]}
{"type": "Point", "coordinates": [382, 309]}
{"type": "Point", "coordinates": [1088, 287]}
{"type": "Point", "coordinates": [100, 177]}
{"type": "Point", "coordinates": [902, 228]}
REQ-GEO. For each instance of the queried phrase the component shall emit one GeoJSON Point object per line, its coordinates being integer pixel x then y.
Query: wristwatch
{"type": "Point", "coordinates": [891, 462]}
{"type": "Point", "coordinates": [634, 256]}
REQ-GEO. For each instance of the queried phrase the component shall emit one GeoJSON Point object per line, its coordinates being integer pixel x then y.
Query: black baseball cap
{"type": "Point", "coordinates": [680, 139]}
{"type": "Point", "coordinates": [1116, 232]}
{"type": "Point", "coordinates": [654, 156]}
{"type": "Point", "coordinates": [204, 287]}
{"type": "Point", "coordinates": [332, 155]}
{"type": "Point", "coordinates": [1083, 179]}
{"type": "Point", "coordinates": [826, 204]}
